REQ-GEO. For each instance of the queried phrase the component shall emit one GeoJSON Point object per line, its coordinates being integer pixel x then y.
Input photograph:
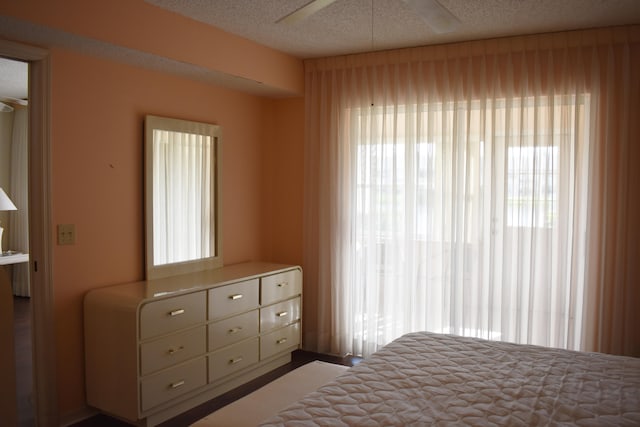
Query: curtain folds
{"type": "Point", "coordinates": [482, 188]}
{"type": "Point", "coordinates": [182, 220]}
{"type": "Point", "coordinates": [19, 226]}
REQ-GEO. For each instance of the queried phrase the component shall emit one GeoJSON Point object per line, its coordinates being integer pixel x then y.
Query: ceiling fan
{"type": "Point", "coordinates": [6, 101]}
{"type": "Point", "coordinates": [439, 19]}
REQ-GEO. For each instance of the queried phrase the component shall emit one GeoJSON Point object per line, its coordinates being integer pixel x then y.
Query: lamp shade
{"type": "Point", "coordinates": [5, 202]}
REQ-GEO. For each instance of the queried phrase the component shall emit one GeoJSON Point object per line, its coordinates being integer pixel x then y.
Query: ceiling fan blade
{"type": "Point", "coordinates": [305, 11]}
{"type": "Point", "coordinates": [435, 15]}
{"type": "Point", "coordinates": [18, 101]}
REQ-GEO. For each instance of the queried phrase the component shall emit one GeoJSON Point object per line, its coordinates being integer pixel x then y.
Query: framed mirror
{"type": "Point", "coordinates": [182, 196]}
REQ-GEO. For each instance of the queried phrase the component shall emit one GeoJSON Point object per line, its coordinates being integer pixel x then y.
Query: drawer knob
{"type": "Point", "coordinates": [177, 384]}
{"type": "Point", "coordinates": [235, 297]}
{"type": "Point", "coordinates": [175, 350]}
{"type": "Point", "coordinates": [281, 314]}
{"type": "Point", "coordinates": [281, 341]}
{"type": "Point", "coordinates": [235, 330]}
{"type": "Point", "coordinates": [282, 284]}
{"type": "Point", "coordinates": [176, 312]}
{"type": "Point", "coordinates": [234, 361]}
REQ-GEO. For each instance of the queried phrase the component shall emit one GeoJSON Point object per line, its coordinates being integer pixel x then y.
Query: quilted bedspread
{"type": "Point", "coordinates": [430, 379]}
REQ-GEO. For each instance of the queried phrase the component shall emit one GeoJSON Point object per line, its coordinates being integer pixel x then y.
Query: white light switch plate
{"type": "Point", "coordinates": [66, 234]}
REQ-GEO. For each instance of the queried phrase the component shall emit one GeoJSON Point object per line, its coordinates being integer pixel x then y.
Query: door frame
{"type": "Point", "coordinates": [40, 238]}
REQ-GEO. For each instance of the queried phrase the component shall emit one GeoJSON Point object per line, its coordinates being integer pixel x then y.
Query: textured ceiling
{"type": "Point", "coordinates": [351, 26]}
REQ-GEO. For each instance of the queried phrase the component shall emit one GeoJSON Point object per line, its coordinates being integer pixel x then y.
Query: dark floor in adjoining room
{"type": "Point", "coordinates": [299, 358]}
{"type": "Point", "coordinates": [24, 375]}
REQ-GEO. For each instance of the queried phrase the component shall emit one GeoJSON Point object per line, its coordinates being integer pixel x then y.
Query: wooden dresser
{"type": "Point", "coordinates": [156, 348]}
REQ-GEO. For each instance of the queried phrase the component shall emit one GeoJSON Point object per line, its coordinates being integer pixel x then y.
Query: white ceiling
{"type": "Point", "coordinates": [13, 79]}
{"type": "Point", "coordinates": [345, 26]}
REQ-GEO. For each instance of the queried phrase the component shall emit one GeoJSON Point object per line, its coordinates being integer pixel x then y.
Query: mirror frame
{"type": "Point", "coordinates": [172, 269]}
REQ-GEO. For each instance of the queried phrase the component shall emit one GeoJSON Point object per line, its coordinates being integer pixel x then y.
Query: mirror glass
{"type": "Point", "coordinates": [182, 192]}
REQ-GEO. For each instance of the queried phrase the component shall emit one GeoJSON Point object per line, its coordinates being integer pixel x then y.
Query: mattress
{"type": "Point", "coordinates": [431, 379]}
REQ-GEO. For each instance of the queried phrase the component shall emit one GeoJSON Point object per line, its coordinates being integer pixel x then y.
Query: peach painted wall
{"type": "Point", "coordinates": [97, 120]}
{"type": "Point", "coordinates": [97, 184]}
{"type": "Point", "coordinates": [283, 180]}
{"type": "Point", "coordinates": [141, 26]}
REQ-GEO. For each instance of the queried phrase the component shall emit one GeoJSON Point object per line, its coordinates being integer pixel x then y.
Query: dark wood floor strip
{"type": "Point", "coordinates": [24, 376]}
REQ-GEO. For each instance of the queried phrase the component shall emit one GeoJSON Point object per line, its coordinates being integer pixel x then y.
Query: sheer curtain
{"type": "Point", "coordinates": [182, 220]}
{"type": "Point", "coordinates": [19, 227]}
{"type": "Point", "coordinates": [465, 189]}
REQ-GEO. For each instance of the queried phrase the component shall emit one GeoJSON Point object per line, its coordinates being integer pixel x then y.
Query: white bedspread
{"type": "Point", "coordinates": [426, 379]}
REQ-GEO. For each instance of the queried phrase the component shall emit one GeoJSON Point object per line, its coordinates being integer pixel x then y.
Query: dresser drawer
{"type": "Point", "coordinates": [172, 349]}
{"type": "Point", "coordinates": [279, 340]}
{"type": "Point", "coordinates": [171, 314]}
{"type": "Point", "coordinates": [171, 383]}
{"type": "Point", "coordinates": [280, 314]}
{"type": "Point", "coordinates": [232, 330]}
{"type": "Point", "coordinates": [232, 299]}
{"type": "Point", "coordinates": [278, 287]}
{"type": "Point", "coordinates": [232, 359]}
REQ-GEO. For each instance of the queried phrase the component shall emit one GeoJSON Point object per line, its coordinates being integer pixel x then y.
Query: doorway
{"type": "Point", "coordinates": [44, 390]}
{"type": "Point", "coordinates": [14, 223]}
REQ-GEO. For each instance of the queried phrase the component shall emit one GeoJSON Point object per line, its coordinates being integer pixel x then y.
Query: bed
{"type": "Point", "coordinates": [432, 379]}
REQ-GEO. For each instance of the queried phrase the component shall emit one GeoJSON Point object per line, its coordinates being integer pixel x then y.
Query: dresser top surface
{"type": "Point", "coordinates": [145, 290]}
